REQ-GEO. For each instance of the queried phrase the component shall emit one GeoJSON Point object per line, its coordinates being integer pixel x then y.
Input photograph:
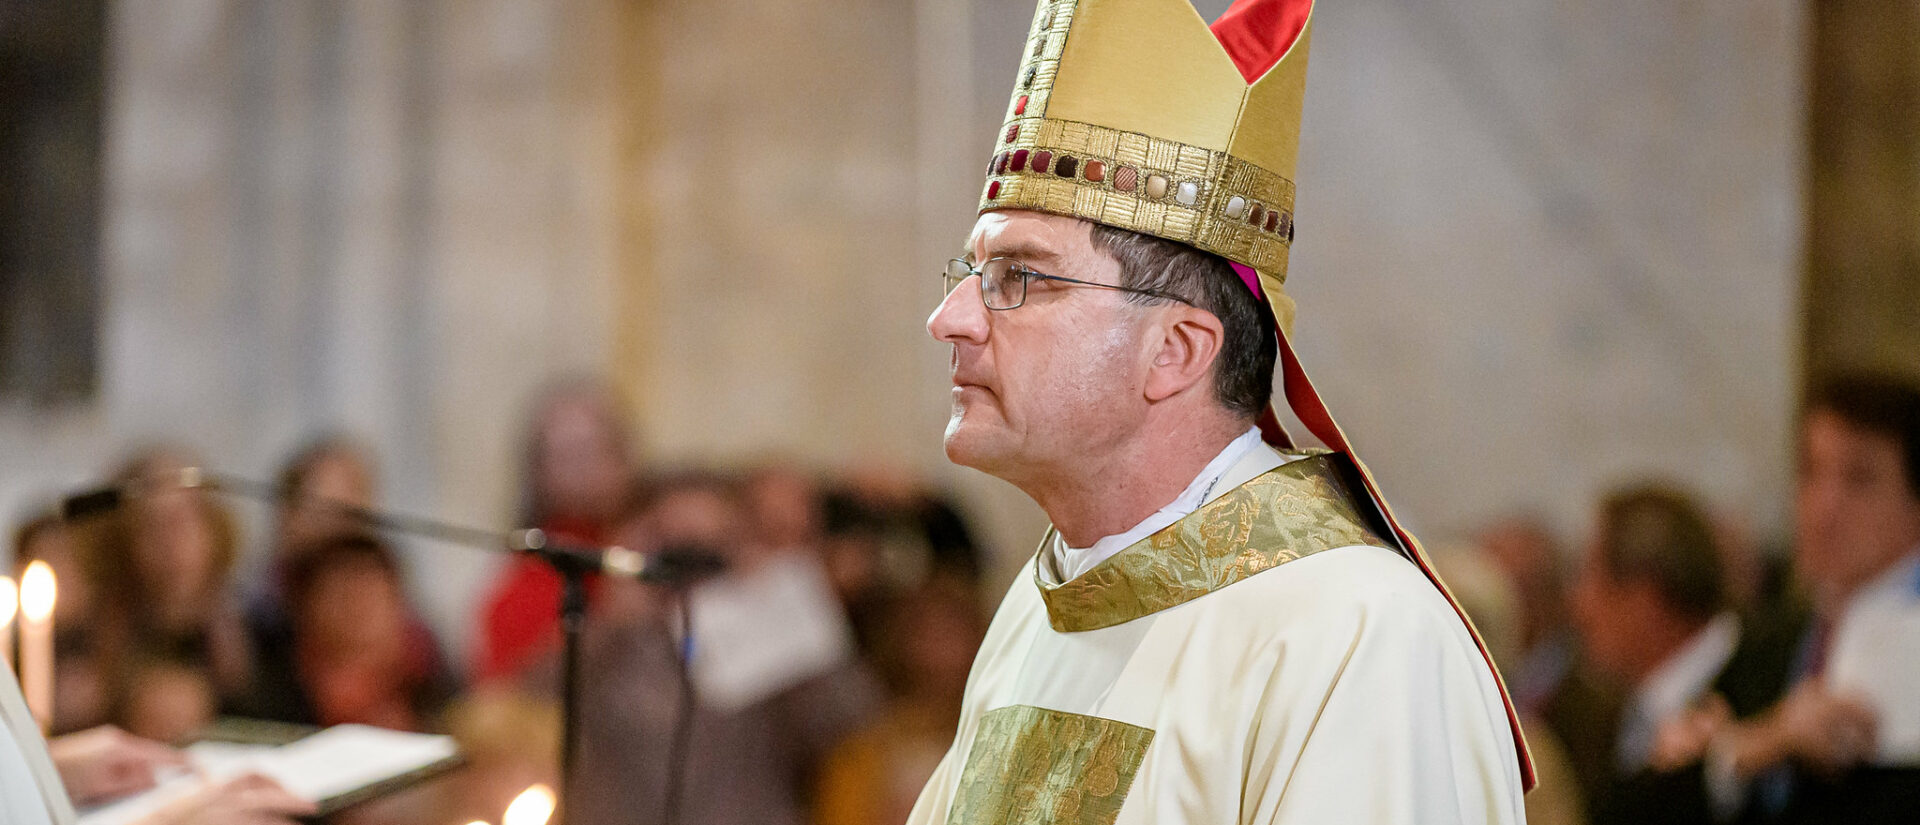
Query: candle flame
{"type": "Point", "coordinates": [37, 592]}
{"type": "Point", "coordinates": [532, 807]}
{"type": "Point", "coordinates": [9, 600]}
{"type": "Point", "coordinates": [478, 822]}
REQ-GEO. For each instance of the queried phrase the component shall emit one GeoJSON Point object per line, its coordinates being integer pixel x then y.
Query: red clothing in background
{"type": "Point", "coordinates": [521, 622]}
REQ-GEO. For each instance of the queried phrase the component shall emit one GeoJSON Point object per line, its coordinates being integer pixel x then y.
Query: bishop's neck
{"type": "Point", "coordinates": [1109, 494]}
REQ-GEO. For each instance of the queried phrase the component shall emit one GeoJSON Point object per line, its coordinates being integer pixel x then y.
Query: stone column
{"type": "Point", "coordinates": [1862, 285]}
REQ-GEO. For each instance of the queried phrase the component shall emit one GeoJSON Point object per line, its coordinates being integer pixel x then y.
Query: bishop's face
{"type": "Point", "coordinates": [1054, 380]}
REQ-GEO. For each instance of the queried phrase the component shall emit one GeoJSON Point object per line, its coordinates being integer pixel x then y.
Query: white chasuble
{"type": "Point", "coordinates": [1265, 659]}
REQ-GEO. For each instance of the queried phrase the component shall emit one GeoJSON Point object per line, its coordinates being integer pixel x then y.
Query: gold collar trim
{"type": "Point", "coordinates": [1287, 513]}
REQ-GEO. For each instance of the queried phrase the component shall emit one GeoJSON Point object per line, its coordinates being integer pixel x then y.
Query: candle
{"type": "Point", "coordinates": [532, 807]}
{"type": "Point", "coordinates": [9, 602]}
{"type": "Point", "coordinates": [36, 641]}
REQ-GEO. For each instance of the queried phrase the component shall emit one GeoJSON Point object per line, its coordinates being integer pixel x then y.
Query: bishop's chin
{"type": "Point", "coordinates": [956, 437]}
{"type": "Point", "coordinates": [965, 443]}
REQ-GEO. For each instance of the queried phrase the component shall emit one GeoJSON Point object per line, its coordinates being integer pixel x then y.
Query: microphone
{"type": "Point", "coordinates": [673, 564]}
{"type": "Point", "coordinates": [102, 500]}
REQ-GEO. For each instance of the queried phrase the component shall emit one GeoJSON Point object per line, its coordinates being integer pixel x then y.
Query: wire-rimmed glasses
{"type": "Point", "coordinates": [1003, 282]}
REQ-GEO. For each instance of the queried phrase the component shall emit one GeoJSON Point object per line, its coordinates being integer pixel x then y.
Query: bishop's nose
{"type": "Point", "coordinates": [961, 317]}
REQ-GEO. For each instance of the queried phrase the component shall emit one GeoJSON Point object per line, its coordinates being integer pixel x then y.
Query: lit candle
{"type": "Point", "coordinates": [9, 603]}
{"type": "Point", "coordinates": [532, 807]}
{"type": "Point", "coordinates": [36, 641]}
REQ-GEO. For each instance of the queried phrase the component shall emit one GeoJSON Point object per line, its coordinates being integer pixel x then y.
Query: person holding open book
{"type": "Point", "coordinates": [41, 781]}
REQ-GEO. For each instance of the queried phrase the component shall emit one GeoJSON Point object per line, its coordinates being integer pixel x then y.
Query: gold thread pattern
{"type": "Point", "coordinates": [1207, 223]}
{"type": "Point", "coordinates": [1288, 513]}
{"type": "Point", "coordinates": [1034, 766]}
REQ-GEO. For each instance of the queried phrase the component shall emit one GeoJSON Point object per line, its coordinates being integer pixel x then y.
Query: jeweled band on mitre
{"type": "Point", "coordinates": [1208, 199]}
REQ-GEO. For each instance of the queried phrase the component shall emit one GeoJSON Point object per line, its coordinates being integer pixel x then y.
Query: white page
{"type": "Point", "coordinates": [333, 762]}
{"type": "Point", "coordinates": [345, 758]}
{"type": "Point", "coordinates": [759, 632]}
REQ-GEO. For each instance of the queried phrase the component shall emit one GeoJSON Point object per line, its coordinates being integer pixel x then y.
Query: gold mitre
{"type": "Point", "coordinates": [1133, 114]}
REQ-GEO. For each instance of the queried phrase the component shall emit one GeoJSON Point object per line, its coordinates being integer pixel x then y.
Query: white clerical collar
{"type": "Point", "coordinates": [1684, 676]}
{"type": "Point", "coordinates": [1237, 464]}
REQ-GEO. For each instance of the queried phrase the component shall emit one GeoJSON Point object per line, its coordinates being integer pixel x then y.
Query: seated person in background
{"type": "Point", "coordinates": [578, 467]}
{"type": "Point", "coordinates": [772, 662]}
{"type": "Point", "coordinates": [1481, 582]}
{"type": "Point", "coordinates": [79, 669]}
{"type": "Point", "coordinates": [926, 645]}
{"type": "Point", "coordinates": [1811, 757]}
{"type": "Point", "coordinates": [170, 601]}
{"type": "Point", "coordinates": [1651, 606]}
{"type": "Point", "coordinates": [328, 472]}
{"type": "Point", "coordinates": [787, 504]}
{"type": "Point", "coordinates": [1527, 553]}
{"type": "Point", "coordinates": [356, 653]}
{"type": "Point", "coordinates": [886, 535]}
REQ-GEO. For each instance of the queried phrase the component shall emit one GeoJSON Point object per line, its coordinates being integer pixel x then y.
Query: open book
{"type": "Point", "coordinates": [336, 767]}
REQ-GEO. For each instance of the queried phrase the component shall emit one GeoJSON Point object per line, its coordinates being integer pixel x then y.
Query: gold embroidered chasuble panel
{"type": "Point", "coordinates": [1290, 512]}
{"type": "Point", "coordinates": [1037, 766]}
{"type": "Point", "coordinates": [1034, 766]}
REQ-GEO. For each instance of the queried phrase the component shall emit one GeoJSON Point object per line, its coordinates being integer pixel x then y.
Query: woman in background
{"type": "Point", "coordinates": [578, 467]}
{"type": "Point", "coordinates": [355, 654]}
{"type": "Point", "coordinates": [171, 634]}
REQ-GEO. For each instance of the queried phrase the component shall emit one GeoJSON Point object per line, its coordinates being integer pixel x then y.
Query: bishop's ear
{"type": "Point", "coordinates": [1190, 341]}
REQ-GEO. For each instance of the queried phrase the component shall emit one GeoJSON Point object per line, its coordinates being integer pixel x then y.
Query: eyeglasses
{"type": "Point", "coordinates": [1003, 282]}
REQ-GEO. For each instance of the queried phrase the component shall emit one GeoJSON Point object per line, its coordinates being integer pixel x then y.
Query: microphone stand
{"type": "Point", "coordinates": [573, 563]}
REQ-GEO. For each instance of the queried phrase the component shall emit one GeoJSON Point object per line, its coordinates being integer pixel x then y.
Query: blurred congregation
{"type": "Point", "coordinates": [839, 637]}
{"type": "Point", "coordinates": [1672, 664]}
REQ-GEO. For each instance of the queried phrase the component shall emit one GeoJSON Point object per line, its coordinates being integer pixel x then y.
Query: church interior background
{"type": "Point", "coordinates": [1543, 246]}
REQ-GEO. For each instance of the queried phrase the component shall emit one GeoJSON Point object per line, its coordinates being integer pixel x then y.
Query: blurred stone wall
{"type": "Point", "coordinates": [386, 218]}
{"type": "Point", "coordinates": [1543, 246]}
{"type": "Point", "coordinates": [1549, 246]}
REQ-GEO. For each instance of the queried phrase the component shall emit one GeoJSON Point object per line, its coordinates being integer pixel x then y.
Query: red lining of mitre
{"type": "Point", "coordinates": [1257, 33]}
{"type": "Point", "coordinates": [1250, 32]}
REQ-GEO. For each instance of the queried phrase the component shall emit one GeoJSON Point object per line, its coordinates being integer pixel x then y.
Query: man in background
{"type": "Point", "coordinates": [1650, 603]}
{"type": "Point", "coordinates": [1826, 751]}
